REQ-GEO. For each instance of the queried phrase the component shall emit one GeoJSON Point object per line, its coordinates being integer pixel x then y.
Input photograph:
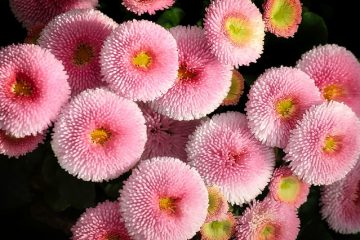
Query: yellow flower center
{"type": "Point", "coordinates": [142, 60]}
{"type": "Point", "coordinates": [167, 204]}
{"type": "Point", "coordinates": [238, 30]}
{"type": "Point", "coordinates": [83, 54]}
{"type": "Point", "coordinates": [282, 13]}
{"type": "Point", "coordinates": [333, 92]}
{"type": "Point", "coordinates": [289, 188]}
{"type": "Point", "coordinates": [285, 107]}
{"type": "Point", "coordinates": [267, 232]}
{"type": "Point", "coordinates": [21, 88]}
{"type": "Point", "coordinates": [100, 136]}
{"type": "Point", "coordinates": [331, 144]}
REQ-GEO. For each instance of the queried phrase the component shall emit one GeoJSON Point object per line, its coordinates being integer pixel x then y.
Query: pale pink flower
{"type": "Point", "coordinates": [147, 6]}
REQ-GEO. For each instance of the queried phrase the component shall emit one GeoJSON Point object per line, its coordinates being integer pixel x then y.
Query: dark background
{"type": "Point", "coordinates": [39, 200]}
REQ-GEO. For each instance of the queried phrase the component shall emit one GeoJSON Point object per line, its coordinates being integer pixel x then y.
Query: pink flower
{"type": "Point", "coordinates": [76, 38]}
{"type": "Point", "coordinates": [218, 206]}
{"type": "Point", "coordinates": [287, 188]}
{"type": "Point", "coordinates": [140, 60]}
{"type": "Point", "coordinates": [102, 222]}
{"type": "Point", "coordinates": [277, 99]}
{"type": "Point", "coordinates": [221, 229]}
{"type": "Point", "coordinates": [99, 135]}
{"type": "Point", "coordinates": [165, 136]}
{"type": "Point", "coordinates": [147, 6]}
{"type": "Point", "coordinates": [235, 31]}
{"type": "Point", "coordinates": [33, 88]}
{"type": "Point", "coordinates": [268, 220]}
{"type": "Point", "coordinates": [325, 144]}
{"type": "Point", "coordinates": [203, 82]}
{"type": "Point", "coordinates": [226, 154]}
{"type": "Point", "coordinates": [282, 17]}
{"type": "Point", "coordinates": [163, 199]}
{"type": "Point", "coordinates": [34, 12]}
{"type": "Point", "coordinates": [336, 72]}
{"type": "Point", "coordinates": [236, 89]}
{"type": "Point", "coordinates": [15, 147]}
{"type": "Point", "coordinates": [340, 203]}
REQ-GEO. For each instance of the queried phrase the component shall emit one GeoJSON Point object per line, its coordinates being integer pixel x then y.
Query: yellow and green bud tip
{"type": "Point", "coordinates": [236, 89]}
{"type": "Point", "coordinates": [218, 229]}
{"type": "Point", "coordinates": [218, 205]}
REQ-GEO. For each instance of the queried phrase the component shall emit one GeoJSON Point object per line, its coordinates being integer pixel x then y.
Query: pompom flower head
{"type": "Point", "coordinates": [221, 229]}
{"type": "Point", "coordinates": [140, 60]}
{"type": "Point", "coordinates": [277, 99]}
{"type": "Point", "coordinates": [227, 155]}
{"type": "Point", "coordinates": [268, 220]}
{"type": "Point", "coordinates": [163, 199]}
{"type": "Point", "coordinates": [325, 144]}
{"type": "Point", "coordinates": [165, 136]}
{"type": "Point", "coordinates": [218, 206]}
{"type": "Point", "coordinates": [15, 147]}
{"type": "Point", "coordinates": [99, 135]}
{"type": "Point", "coordinates": [148, 6]}
{"type": "Point", "coordinates": [340, 203]}
{"type": "Point", "coordinates": [33, 87]}
{"type": "Point", "coordinates": [288, 188]}
{"type": "Point", "coordinates": [34, 12]}
{"type": "Point", "coordinates": [236, 89]}
{"type": "Point", "coordinates": [202, 81]}
{"type": "Point", "coordinates": [336, 72]}
{"type": "Point", "coordinates": [76, 38]}
{"type": "Point", "coordinates": [102, 222]}
{"type": "Point", "coordinates": [282, 17]}
{"type": "Point", "coordinates": [235, 31]}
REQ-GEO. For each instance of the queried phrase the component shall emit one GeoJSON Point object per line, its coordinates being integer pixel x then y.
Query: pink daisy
{"type": "Point", "coordinates": [235, 31]}
{"type": "Point", "coordinates": [268, 220]}
{"type": "Point", "coordinates": [288, 188]}
{"type": "Point", "coordinates": [147, 6]}
{"type": "Point", "coordinates": [15, 147]}
{"type": "Point", "coordinates": [325, 144]}
{"type": "Point", "coordinates": [226, 154]}
{"type": "Point", "coordinates": [277, 99]}
{"type": "Point", "coordinates": [218, 206]}
{"type": "Point", "coordinates": [163, 199]}
{"type": "Point", "coordinates": [102, 222]}
{"type": "Point", "coordinates": [33, 87]}
{"type": "Point", "coordinates": [76, 38]}
{"type": "Point", "coordinates": [165, 136]}
{"type": "Point", "coordinates": [140, 60]}
{"type": "Point", "coordinates": [99, 135]}
{"type": "Point", "coordinates": [202, 83]}
{"type": "Point", "coordinates": [35, 12]}
{"type": "Point", "coordinates": [282, 17]}
{"type": "Point", "coordinates": [340, 203]}
{"type": "Point", "coordinates": [236, 89]}
{"type": "Point", "coordinates": [336, 72]}
{"type": "Point", "coordinates": [221, 229]}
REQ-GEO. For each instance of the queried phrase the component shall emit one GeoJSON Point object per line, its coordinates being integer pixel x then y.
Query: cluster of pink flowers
{"type": "Point", "coordinates": [136, 96]}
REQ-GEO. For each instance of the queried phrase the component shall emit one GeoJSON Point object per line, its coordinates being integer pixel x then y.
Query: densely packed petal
{"type": "Point", "coordinates": [140, 6]}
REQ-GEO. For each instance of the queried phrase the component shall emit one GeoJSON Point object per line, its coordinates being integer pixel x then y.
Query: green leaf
{"type": "Point", "coordinates": [312, 30]}
{"type": "Point", "coordinates": [171, 18]}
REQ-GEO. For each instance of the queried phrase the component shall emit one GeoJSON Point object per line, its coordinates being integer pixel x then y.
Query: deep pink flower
{"type": "Point", "coordinates": [336, 72]}
{"type": "Point", "coordinates": [140, 60]}
{"type": "Point", "coordinates": [325, 144]}
{"type": "Point", "coordinates": [163, 199]}
{"type": "Point", "coordinates": [147, 6]}
{"type": "Point", "coordinates": [282, 17]}
{"type": "Point", "coordinates": [277, 99]}
{"type": "Point", "coordinates": [102, 222]}
{"type": "Point", "coordinates": [165, 137]}
{"type": "Point", "coordinates": [203, 82]}
{"type": "Point", "coordinates": [99, 135]}
{"type": "Point", "coordinates": [15, 147]}
{"type": "Point", "coordinates": [235, 31]}
{"type": "Point", "coordinates": [33, 88]}
{"type": "Point", "coordinates": [39, 12]}
{"type": "Point", "coordinates": [340, 203]}
{"type": "Point", "coordinates": [76, 38]}
{"type": "Point", "coordinates": [287, 188]}
{"type": "Point", "coordinates": [268, 220]}
{"type": "Point", "coordinates": [227, 155]}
